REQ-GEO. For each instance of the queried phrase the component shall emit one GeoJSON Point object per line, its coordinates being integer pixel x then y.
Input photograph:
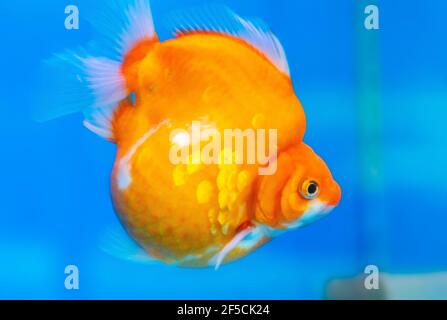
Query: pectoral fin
{"type": "Point", "coordinates": [237, 239]}
{"type": "Point", "coordinates": [247, 239]}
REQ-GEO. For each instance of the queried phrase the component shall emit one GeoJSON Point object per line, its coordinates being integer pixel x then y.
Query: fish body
{"type": "Point", "coordinates": [214, 77]}
{"type": "Point", "coordinates": [180, 97]}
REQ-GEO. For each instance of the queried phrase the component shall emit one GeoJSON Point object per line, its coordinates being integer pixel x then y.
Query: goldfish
{"type": "Point", "coordinates": [220, 71]}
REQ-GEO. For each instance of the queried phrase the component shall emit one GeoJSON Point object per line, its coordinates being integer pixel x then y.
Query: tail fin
{"type": "Point", "coordinates": [94, 80]}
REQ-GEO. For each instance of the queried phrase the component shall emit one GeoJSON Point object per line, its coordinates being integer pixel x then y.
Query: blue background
{"type": "Point", "coordinates": [391, 164]}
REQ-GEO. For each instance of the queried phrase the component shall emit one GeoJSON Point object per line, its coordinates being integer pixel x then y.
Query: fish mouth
{"type": "Point", "coordinates": [316, 210]}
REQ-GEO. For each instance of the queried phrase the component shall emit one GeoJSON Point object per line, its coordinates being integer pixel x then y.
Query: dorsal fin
{"type": "Point", "coordinates": [220, 19]}
{"type": "Point", "coordinates": [121, 25]}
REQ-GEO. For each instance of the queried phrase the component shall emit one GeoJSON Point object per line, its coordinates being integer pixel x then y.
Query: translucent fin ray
{"type": "Point", "coordinates": [121, 24]}
{"type": "Point", "coordinates": [220, 19]}
{"type": "Point", "coordinates": [91, 80]}
{"type": "Point", "coordinates": [117, 243]}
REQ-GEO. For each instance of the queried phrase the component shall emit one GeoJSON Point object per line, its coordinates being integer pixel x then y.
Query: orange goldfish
{"type": "Point", "coordinates": [214, 203]}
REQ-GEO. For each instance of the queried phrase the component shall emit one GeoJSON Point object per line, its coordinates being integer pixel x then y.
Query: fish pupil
{"type": "Point", "coordinates": [312, 188]}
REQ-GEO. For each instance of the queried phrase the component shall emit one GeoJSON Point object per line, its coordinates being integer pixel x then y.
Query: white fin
{"type": "Point", "coordinates": [117, 243]}
{"type": "Point", "coordinates": [90, 81]}
{"type": "Point", "coordinates": [220, 19]}
{"type": "Point", "coordinates": [121, 24]}
{"type": "Point", "coordinates": [217, 260]}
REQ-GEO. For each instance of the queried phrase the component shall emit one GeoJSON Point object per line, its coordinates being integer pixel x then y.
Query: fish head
{"type": "Point", "coordinates": [301, 191]}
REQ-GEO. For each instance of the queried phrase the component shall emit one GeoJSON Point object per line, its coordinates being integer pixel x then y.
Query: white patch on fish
{"type": "Point", "coordinates": [194, 257]}
{"type": "Point", "coordinates": [316, 210]}
{"type": "Point", "coordinates": [124, 166]}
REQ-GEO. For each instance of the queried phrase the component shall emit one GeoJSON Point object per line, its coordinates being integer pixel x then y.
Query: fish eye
{"type": "Point", "coordinates": [310, 189]}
